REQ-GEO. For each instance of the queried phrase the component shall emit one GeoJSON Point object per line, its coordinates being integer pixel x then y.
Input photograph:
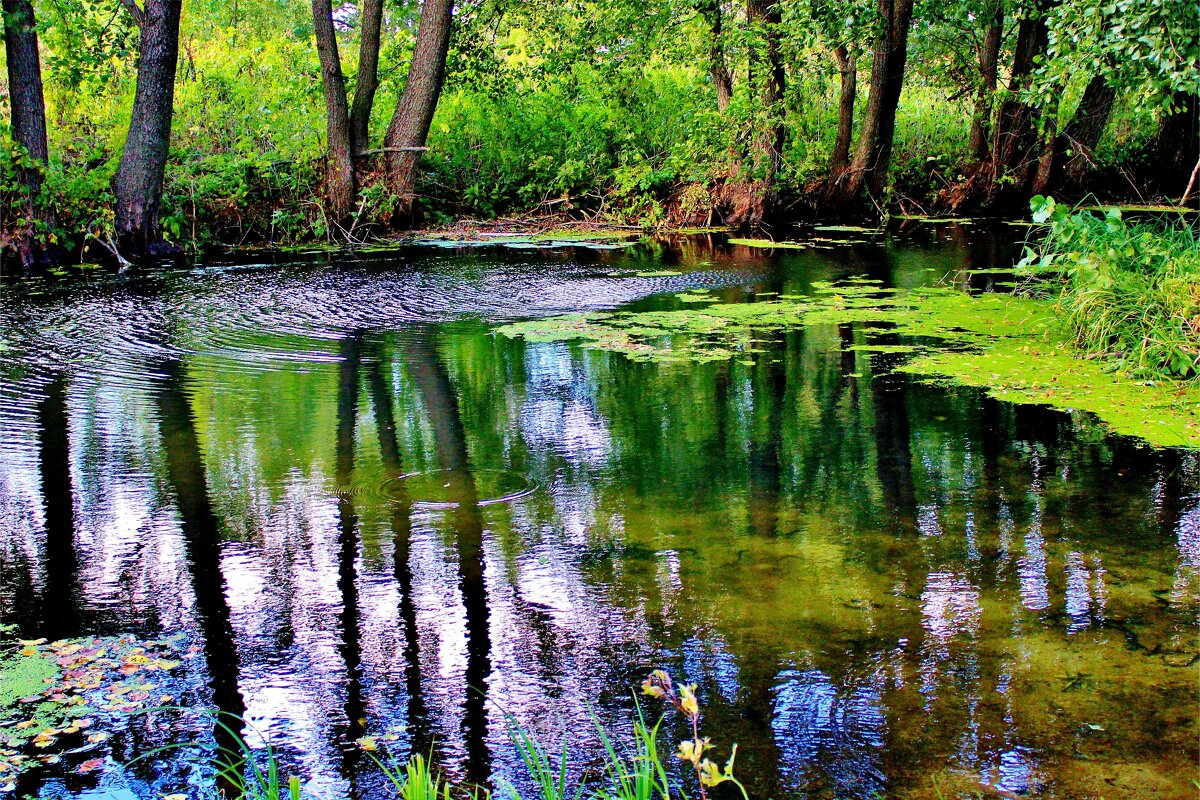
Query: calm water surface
{"type": "Point", "coordinates": [368, 513]}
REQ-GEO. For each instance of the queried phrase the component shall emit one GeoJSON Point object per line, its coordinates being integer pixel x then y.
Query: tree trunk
{"type": "Point", "coordinates": [1175, 148]}
{"type": "Point", "coordinates": [414, 112]}
{"type": "Point", "coordinates": [989, 60]}
{"type": "Point", "coordinates": [750, 198]}
{"type": "Point", "coordinates": [873, 155]}
{"type": "Point", "coordinates": [339, 161]}
{"type": "Point", "coordinates": [368, 74]}
{"type": "Point", "coordinates": [718, 69]}
{"type": "Point", "coordinates": [848, 69]}
{"type": "Point", "coordinates": [1015, 141]}
{"type": "Point", "coordinates": [138, 184]}
{"type": "Point", "coordinates": [28, 108]}
{"type": "Point", "coordinates": [1073, 154]}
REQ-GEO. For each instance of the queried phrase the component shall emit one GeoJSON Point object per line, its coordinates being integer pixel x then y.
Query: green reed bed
{"type": "Point", "coordinates": [1129, 291]}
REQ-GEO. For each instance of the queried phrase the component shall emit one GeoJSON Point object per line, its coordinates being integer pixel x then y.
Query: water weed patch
{"type": "Point", "coordinates": [1014, 347]}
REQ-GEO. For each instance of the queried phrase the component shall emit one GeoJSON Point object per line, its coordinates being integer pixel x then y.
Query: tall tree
{"type": "Point", "coordinates": [989, 71]}
{"type": "Point", "coordinates": [339, 160]}
{"type": "Point", "coordinates": [770, 78]}
{"type": "Point", "coordinates": [410, 123]}
{"type": "Point", "coordinates": [872, 157]}
{"type": "Point", "coordinates": [718, 68]}
{"type": "Point", "coordinates": [28, 111]}
{"type": "Point", "coordinates": [1015, 140]}
{"type": "Point", "coordinates": [847, 94]}
{"type": "Point", "coordinates": [749, 199]}
{"type": "Point", "coordinates": [138, 184]}
{"type": "Point", "coordinates": [367, 82]}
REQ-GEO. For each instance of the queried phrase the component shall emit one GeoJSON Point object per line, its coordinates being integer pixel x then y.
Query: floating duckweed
{"type": "Point", "coordinates": [768, 243]}
{"type": "Point", "coordinates": [1013, 347]}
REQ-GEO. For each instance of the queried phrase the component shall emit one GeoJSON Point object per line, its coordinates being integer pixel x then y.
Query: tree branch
{"type": "Point", "coordinates": [139, 16]}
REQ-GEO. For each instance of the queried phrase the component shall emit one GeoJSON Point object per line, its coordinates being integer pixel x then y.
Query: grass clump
{"type": "Point", "coordinates": [1127, 291]}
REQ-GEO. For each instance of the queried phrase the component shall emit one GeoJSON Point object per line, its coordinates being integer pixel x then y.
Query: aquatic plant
{"type": "Point", "coordinates": [1014, 347]}
{"type": "Point", "coordinates": [57, 698]}
{"type": "Point", "coordinates": [693, 750]}
{"type": "Point", "coordinates": [415, 780]}
{"type": "Point", "coordinates": [1129, 292]}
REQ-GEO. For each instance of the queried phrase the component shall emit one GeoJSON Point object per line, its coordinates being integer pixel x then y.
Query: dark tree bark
{"type": "Point", "coordinates": [718, 69]}
{"type": "Point", "coordinates": [1015, 143]}
{"type": "Point", "coordinates": [989, 62]}
{"type": "Point", "coordinates": [1006, 173]}
{"type": "Point", "coordinates": [339, 160]}
{"type": "Point", "coordinates": [1175, 148]}
{"type": "Point", "coordinates": [28, 108]}
{"type": "Point", "coordinates": [872, 157]}
{"type": "Point", "coordinates": [848, 69]}
{"type": "Point", "coordinates": [1072, 154]}
{"type": "Point", "coordinates": [367, 81]}
{"type": "Point", "coordinates": [410, 123]}
{"type": "Point", "coordinates": [768, 154]}
{"type": "Point", "coordinates": [138, 185]}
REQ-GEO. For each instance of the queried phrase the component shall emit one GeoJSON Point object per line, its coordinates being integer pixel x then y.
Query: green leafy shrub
{"type": "Point", "coordinates": [1129, 291]}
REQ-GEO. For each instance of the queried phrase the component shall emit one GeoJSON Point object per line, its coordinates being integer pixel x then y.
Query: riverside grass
{"type": "Point", "coordinates": [1129, 292]}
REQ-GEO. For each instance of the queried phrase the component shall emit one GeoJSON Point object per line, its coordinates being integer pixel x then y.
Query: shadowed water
{"type": "Point", "coordinates": [371, 515]}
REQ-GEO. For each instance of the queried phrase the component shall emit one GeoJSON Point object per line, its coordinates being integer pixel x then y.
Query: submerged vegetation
{"type": "Point", "coordinates": [137, 128]}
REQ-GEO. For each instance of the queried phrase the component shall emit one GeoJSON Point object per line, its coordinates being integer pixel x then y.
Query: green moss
{"type": "Point", "coordinates": [1012, 347]}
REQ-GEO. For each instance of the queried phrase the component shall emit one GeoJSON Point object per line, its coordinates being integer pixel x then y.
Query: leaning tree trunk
{"type": "Point", "coordinates": [339, 161]}
{"type": "Point", "coordinates": [872, 157]}
{"type": "Point", "coordinates": [1019, 154]}
{"type": "Point", "coordinates": [138, 184]}
{"type": "Point", "coordinates": [848, 69]}
{"type": "Point", "coordinates": [1073, 153]}
{"type": "Point", "coordinates": [989, 60]}
{"type": "Point", "coordinates": [718, 69]}
{"type": "Point", "coordinates": [368, 74]}
{"type": "Point", "coordinates": [409, 128]}
{"type": "Point", "coordinates": [1015, 143]}
{"type": "Point", "coordinates": [28, 108]}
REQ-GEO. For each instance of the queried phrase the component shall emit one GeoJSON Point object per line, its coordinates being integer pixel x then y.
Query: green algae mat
{"type": "Point", "coordinates": [1010, 346]}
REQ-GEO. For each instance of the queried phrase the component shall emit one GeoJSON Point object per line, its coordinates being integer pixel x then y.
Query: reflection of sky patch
{"type": "Point", "coordinates": [829, 735]}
